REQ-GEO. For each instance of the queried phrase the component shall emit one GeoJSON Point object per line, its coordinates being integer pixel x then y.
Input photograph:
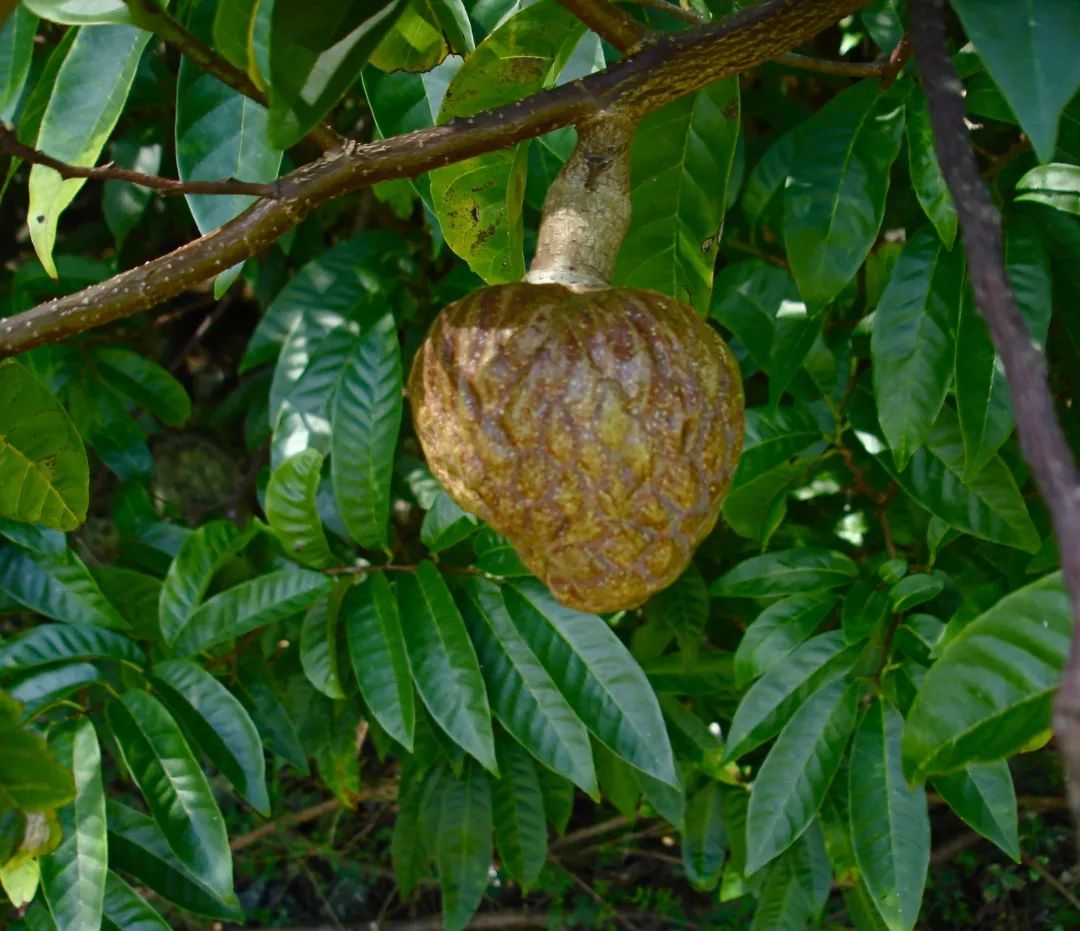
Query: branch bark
{"type": "Point", "coordinates": [609, 22]}
{"type": "Point", "coordinates": [662, 71]}
{"type": "Point", "coordinates": [1041, 437]}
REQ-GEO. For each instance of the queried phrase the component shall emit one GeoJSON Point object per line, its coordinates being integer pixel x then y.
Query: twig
{"type": "Point", "coordinates": [489, 921]}
{"type": "Point", "coordinates": [574, 838]}
{"type": "Point", "coordinates": [1041, 438]}
{"type": "Point", "coordinates": [609, 22]}
{"type": "Point", "coordinates": [10, 145]}
{"type": "Point", "coordinates": [390, 567]}
{"type": "Point", "coordinates": [1064, 891]}
{"type": "Point", "coordinates": [663, 70]}
{"type": "Point", "coordinates": [953, 846]}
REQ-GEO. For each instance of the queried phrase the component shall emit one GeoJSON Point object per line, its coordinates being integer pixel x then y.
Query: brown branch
{"type": "Point", "coordinates": [662, 71]}
{"type": "Point", "coordinates": [10, 145]}
{"type": "Point", "coordinates": [1064, 891]}
{"type": "Point", "coordinates": [1041, 439]}
{"type": "Point", "coordinates": [609, 22]}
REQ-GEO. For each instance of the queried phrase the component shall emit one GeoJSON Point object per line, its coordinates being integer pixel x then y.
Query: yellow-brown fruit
{"type": "Point", "coordinates": [597, 430]}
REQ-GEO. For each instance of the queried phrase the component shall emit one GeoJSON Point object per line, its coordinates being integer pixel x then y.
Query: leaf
{"type": "Point", "coordinates": [683, 608]}
{"type": "Point", "coordinates": [445, 524]}
{"type": "Point", "coordinates": [137, 847]}
{"type": "Point", "coordinates": [479, 201]}
{"type": "Point", "coordinates": [87, 99]}
{"type": "Point", "coordinates": [409, 842]}
{"type": "Point", "coordinates": [37, 692]}
{"type": "Point", "coordinates": [272, 720]}
{"type": "Point", "coordinates": [770, 702]}
{"type": "Point", "coordinates": [680, 163]}
{"type": "Point", "coordinates": [558, 798]}
{"type": "Point", "coordinates": [926, 176]}
{"type": "Point", "coordinates": [864, 608]}
{"type": "Point", "coordinates": [292, 512]}
{"type": "Point", "coordinates": [913, 341]}
{"type": "Point", "coordinates": [80, 12]}
{"type": "Point", "coordinates": [763, 192]}
{"type": "Point", "coordinates": [792, 782]}
{"type": "Point", "coordinates": [219, 724]}
{"type": "Point", "coordinates": [775, 632]}
{"type": "Point", "coordinates": [126, 910]}
{"type": "Point", "coordinates": [369, 612]}
{"type": "Point", "coordinates": [319, 645]}
{"type": "Point", "coordinates": [414, 43]}
{"type": "Point", "coordinates": [73, 875]}
{"type": "Point", "coordinates": [53, 643]}
{"type": "Point", "coordinates": [366, 420]}
{"type": "Point", "coordinates": [704, 837]}
{"type": "Point", "coordinates": [1057, 185]}
{"type": "Point", "coordinates": [990, 693]}
{"type": "Point", "coordinates": [44, 476]}
{"type": "Point", "coordinates": [915, 590]}
{"type": "Point", "coordinates": [174, 787]}
{"type": "Point", "coordinates": [785, 572]}
{"type": "Point", "coordinates": [796, 887]}
{"type": "Point", "coordinates": [31, 779]}
{"type": "Point", "coordinates": [247, 606]}
{"type": "Point", "coordinates": [1029, 58]}
{"type": "Point", "coordinates": [462, 842]}
{"type": "Point", "coordinates": [58, 586]}
{"type": "Point", "coordinates": [835, 195]}
{"type": "Point", "coordinates": [523, 696]}
{"type": "Point", "coordinates": [983, 796]}
{"type": "Point", "coordinates": [145, 382]}
{"type": "Point", "coordinates": [16, 53]}
{"type": "Point", "coordinates": [518, 810]}
{"type": "Point", "coordinates": [890, 825]}
{"type": "Point", "coordinates": [315, 56]}
{"type": "Point", "coordinates": [597, 676]}
{"type": "Point", "coordinates": [124, 204]}
{"type": "Point", "coordinates": [233, 32]}
{"type": "Point", "coordinates": [444, 664]}
{"type": "Point", "coordinates": [199, 559]}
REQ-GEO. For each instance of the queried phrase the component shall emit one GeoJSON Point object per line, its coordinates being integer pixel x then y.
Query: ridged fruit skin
{"type": "Point", "coordinates": [598, 431]}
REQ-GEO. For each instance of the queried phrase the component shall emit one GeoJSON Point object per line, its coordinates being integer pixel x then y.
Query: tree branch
{"type": "Point", "coordinates": [660, 72]}
{"type": "Point", "coordinates": [609, 22]}
{"type": "Point", "coordinates": [10, 145]}
{"type": "Point", "coordinates": [1041, 438]}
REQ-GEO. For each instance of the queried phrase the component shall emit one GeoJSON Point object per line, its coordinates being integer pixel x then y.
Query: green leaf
{"type": "Point", "coordinates": [81, 12]}
{"type": "Point", "coordinates": [200, 557]}
{"type": "Point", "coordinates": [524, 697]}
{"type": "Point", "coordinates": [315, 56]}
{"type": "Point", "coordinates": [292, 511]}
{"type": "Point", "coordinates": [58, 586]}
{"type": "Point", "coordinates": [786, 572]}
{"type": "Point", "coordinates": [792, 782]}
{"type": "Point", "coordinates": [218, 723]}
{"type": "Point", "coordinates": [414, 43]}
{"type": "Point", "coordinates": [233, 32]}
{"type": "Point", "coordinates": [864, 608]}
{"type": "Point", "coordinates": [1057, 185]}
{"type": "Point", "coordinates": [796, 887]}
{"type": "Point", "coordinates": [704, 837]}
{"type": "Point", "coordinates": [174, 787]}
{"type": "Point", "coordinates": [444, 664]}
{"type": "Point", "coordinates": [30, 777]}
{"type": "Point", "coordinates": [366, 420]}
{"type": "Point", "coordinates": [926, 176]}
{"type": "Point", "coordinates": [915, 590]}
{"type": "Point", "coordinates": [479, 201]}
{"type": "Point", "coordinates": [763, 192]}
{"type": "Point", "coordinates": [913, 341]}
{"type": "Point", "coordinates": [54, 643]}
{"type": "Point", "coordinates": [518, 809]}
{"type": "Point", "coordinates": [445, 524]}
{"type": "Point", "coordinates": [37, 692]}
{"type": "Point", "coordinates": [247, 606]}
{"type": "Point", "coordinates": [597, 676]}
{"type": "Point", "coordinates": [369, 612]}
{"type": "Point", "coordinates": [73, 875]}
{"type": "Point", "coordinates": [890, 825]}
{"type": "Point", "coordinates": [138, 848]}
{"type": "Point", "coordinates": [680, 162]}
{"type": "Point", "coordinates": [683, 608]}
{"type": "Point", "coordinates": [617, 781]}
{"type": "Point", "coordinates": [409, 843]}
{"type": "Point", "coordinates": [44, 476]}
{"type": "Point", "coordinates": [983, 796]}
{"type": "Point", "coordinates": [990, 693]}
{"type": "Point", "coordinates": [87, 98]}
{"type": "Point", "coordinates": [123, 203]}
{"type": "Point", "coordinates": [16, 53]}
{"type": "Point", "coordinates": [126, 910]}
{"type": "Point", "coordinates": [770, 702]}
{"type": "Point", "coordinates": [835, 195]}
{"type": "Point", "coordinates": [145, 382]}
{"type": "Point", "coordinates": [462, 842]}
{"type": "Point", "coordinates": [1029, 57]}
{"type": "Point", "coordinates": [778, 630]}
{"type": "Point", "coordinates": [272, 720]}
{"type": "Point", "coordinates": [319, 645]}
{"type": "Point", "coordinates": [558, 798]}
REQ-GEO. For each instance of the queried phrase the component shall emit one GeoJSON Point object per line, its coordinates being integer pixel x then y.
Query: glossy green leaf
{"type": "Point", "coordinates": [786, 572]}
{"type": "Point", "coordinates": [33, 536]}
{"type": "Point", "coordinates": [461, 841]}
{"type": "Point", "coordinates": [792, 782]}
{"type": "Point", "coordinates": [233, 31]}
{"type": "Point", "coordinates": [31, 779]}
{"type": "Point", "coordinates": [319, 646]}
{"type": "Point", "coordinates": [145, 382]}
{"type": "Point", "coordinates": [369, 612]}
{"type": "Point", "coordinates": [1040, 81]}
{"type": "Point", "coordinates": [680, 162]}
{"type": "Point", "coordinates": [219, 724]}
{"type": "Point", "coordinates": [617, 781]}
{"type": "Point", "coordinates": [704, 837]}
{"type": "Point", "coordinates": [180, 800]}
{"type": "Point", "coordinates": [444, 663]}
{"type": "Point", "coordinates": [126, 910]}
{"type": "Point", "coordinates": [991, 691]}
{"type": "Point", "coordinates": [87, 99]}
{"type": "Point", "coordinates": [1057, 185]}
{"type": "Point", "coordinates": [445, 524]}
{"type": "Point", "coordinates": [199, 559]}
{"type": "Point", "coordinates": [835, 195]}
{"type": "Point", "coordinates": [890, 825]}
{"type": "Point", "coordinates": [272, 720]}
{"type": "Point", "coordinates": [366, 419]}
{"type": "Point", "coordinates": [865, 606]}
{"type": "Point", "coordinates": [682, 608]}
{"type": "Point", "coordinates": [523, 696]}
{"type": "Point", "coordinates": [44, 476]}
{"type": "Point", "coordinates": [54, 643]}
{"type": "Point", "coordinates": [558, 798]}
{"type": "Point", "coordinates": [518, 807]}
{"type": "Point", "coordinates": [983, 796]}
{"type": "Point", "coordinates": [73, 875]}
{"type": "Point", "coordinates": [913, 341]}
{"type": "Point", "coordinates": [409, 843]}
{"type": "Point", "coordinates": [81, 12]}
{"type": "Point", "coordinates": [123, 203]}
{"type": "Point", "coordinates": [414, 43]}
{"type": "Point", "coordinates": [16, 52]}
{"type": "Point", "coordinates": [58, 586]}
{"type": "Point", "coordinates": [796, 887]}
{"type": "Point", "coordinates": [292, 512]}
{"type": "Point", "coordinates": [926, 176]}
{"type": "Point", "coordinates": [54, 684]}
{"type": "Point", "coordinates": [914, 590]}
{"type": "Point", "coordinates": [247, 606]}
{"type": "Point", "coordinates": [762, 196]}
{"type": "Point", "coordinates": [777, 630]}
